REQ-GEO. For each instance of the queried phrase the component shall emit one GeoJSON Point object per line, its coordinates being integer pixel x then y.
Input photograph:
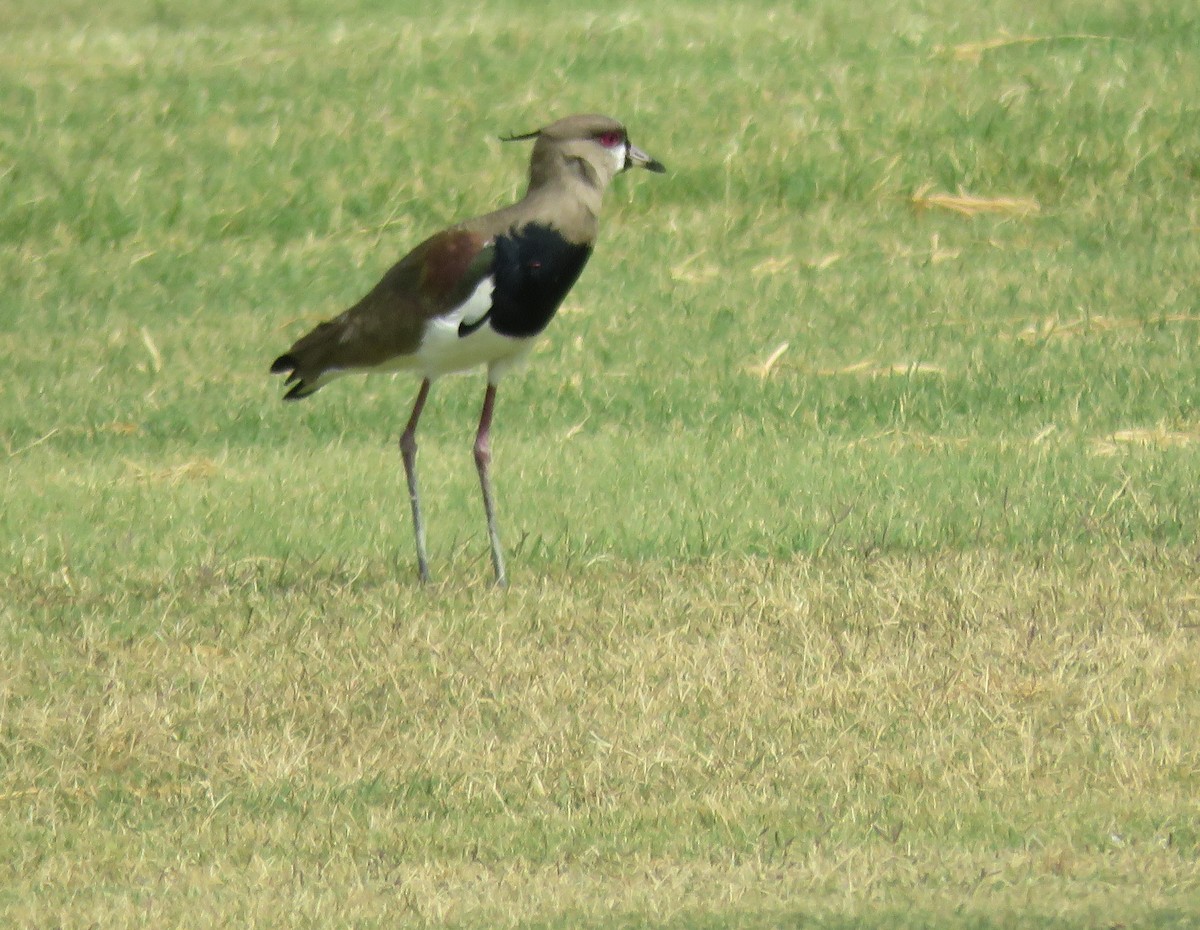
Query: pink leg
{"type": "Point", "coordinates": [408, 449]}
{"type": "Point", "coordinates": [483, 459]}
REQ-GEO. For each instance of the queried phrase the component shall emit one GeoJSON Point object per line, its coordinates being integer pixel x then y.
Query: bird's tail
{"type": "Point", "coordinates": [309, 364]}
{"type": "Point", "coordinates": [301, 387]}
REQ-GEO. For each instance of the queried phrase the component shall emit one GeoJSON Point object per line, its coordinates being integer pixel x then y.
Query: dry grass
{"type": "Point", "coordinates": [1156, 438]}
{"type": "Point", "coordinates": [1094, 325]}
{"type": "Point", "coordinates": [867, 368]}
{"type": "Point", "coordinates": [970, 734]}
{"type": "Point", "coordinates": [966, 204]}
{"type": "Point", "coordinates": [975, 51]}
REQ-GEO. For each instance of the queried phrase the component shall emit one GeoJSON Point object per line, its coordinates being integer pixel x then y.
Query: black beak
{"type": "Point", "coordinates": [635, 157]}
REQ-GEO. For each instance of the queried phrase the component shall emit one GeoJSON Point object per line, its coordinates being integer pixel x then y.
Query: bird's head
{"type": "Point", "coordinates": [593, 146]}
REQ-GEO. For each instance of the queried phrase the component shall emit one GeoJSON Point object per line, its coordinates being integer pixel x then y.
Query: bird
{"type": "Point", "coordinates": [478, 293]}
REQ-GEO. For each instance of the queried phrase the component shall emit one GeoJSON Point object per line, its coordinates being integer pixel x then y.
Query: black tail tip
{"type": "Point", "coordinates": [299, 391]}
{"type": "Point", "coordinates": [288, 364]}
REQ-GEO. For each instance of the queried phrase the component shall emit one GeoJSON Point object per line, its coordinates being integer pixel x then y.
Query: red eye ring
{"type": "Point", "coordinates": [610, 139]}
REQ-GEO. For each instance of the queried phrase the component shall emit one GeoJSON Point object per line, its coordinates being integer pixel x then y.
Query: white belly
{"type": "Point", "coordinates": [443, 351]}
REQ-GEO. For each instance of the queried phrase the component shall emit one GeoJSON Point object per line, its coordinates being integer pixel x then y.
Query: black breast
{"type": "Point", "coordinates": [534, 268]}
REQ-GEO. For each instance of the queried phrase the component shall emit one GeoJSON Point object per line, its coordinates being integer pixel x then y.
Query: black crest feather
{"type": "Point", "coordinates": [521, 138]}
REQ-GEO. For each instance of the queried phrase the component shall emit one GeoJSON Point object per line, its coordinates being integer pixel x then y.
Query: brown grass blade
{"type": "Point", "coordinates": [763, 370]}
{"type": "Point", "coordinates": [873, 369]}
{"type": "Point", "coordinates": [974, 51]}
{"type": "Point", "coordinates": [972, 204]}
{"type": "Point", "coordinates": [1155, 438]}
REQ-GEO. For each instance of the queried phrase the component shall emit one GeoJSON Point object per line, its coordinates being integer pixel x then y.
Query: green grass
{"type": "Point", "coordinates": [898, 630]}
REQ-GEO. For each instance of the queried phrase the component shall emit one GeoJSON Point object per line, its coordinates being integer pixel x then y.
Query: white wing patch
{"type": "Point", "coordinates": [447, 348]}
{"type": "Point", "coordinates": [477, 306]}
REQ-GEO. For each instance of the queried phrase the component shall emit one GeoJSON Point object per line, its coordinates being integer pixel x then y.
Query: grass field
{"type": "Point", "coordinates": [851, 501]}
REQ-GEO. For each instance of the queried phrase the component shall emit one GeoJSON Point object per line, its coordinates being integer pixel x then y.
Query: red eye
{"type": "Point", "coordinates": [610, 139]}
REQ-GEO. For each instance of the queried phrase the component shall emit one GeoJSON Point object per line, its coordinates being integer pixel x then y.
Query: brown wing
{"type": "Point", "coordinates": [390, 321]}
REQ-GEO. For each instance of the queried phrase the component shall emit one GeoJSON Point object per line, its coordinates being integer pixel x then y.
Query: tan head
{"type": "Point", "coordinates": [589, 147]}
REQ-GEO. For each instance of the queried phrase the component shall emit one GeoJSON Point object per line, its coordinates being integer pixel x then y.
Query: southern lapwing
{"type": "Point", "coordinates": [478, 293]}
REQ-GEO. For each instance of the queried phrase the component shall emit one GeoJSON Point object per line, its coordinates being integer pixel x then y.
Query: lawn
{"type": "Point", "coordinates": [850, 502]}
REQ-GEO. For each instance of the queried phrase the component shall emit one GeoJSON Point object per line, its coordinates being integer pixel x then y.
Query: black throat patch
{"type": "Point", "coordinates": [534, 269]}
